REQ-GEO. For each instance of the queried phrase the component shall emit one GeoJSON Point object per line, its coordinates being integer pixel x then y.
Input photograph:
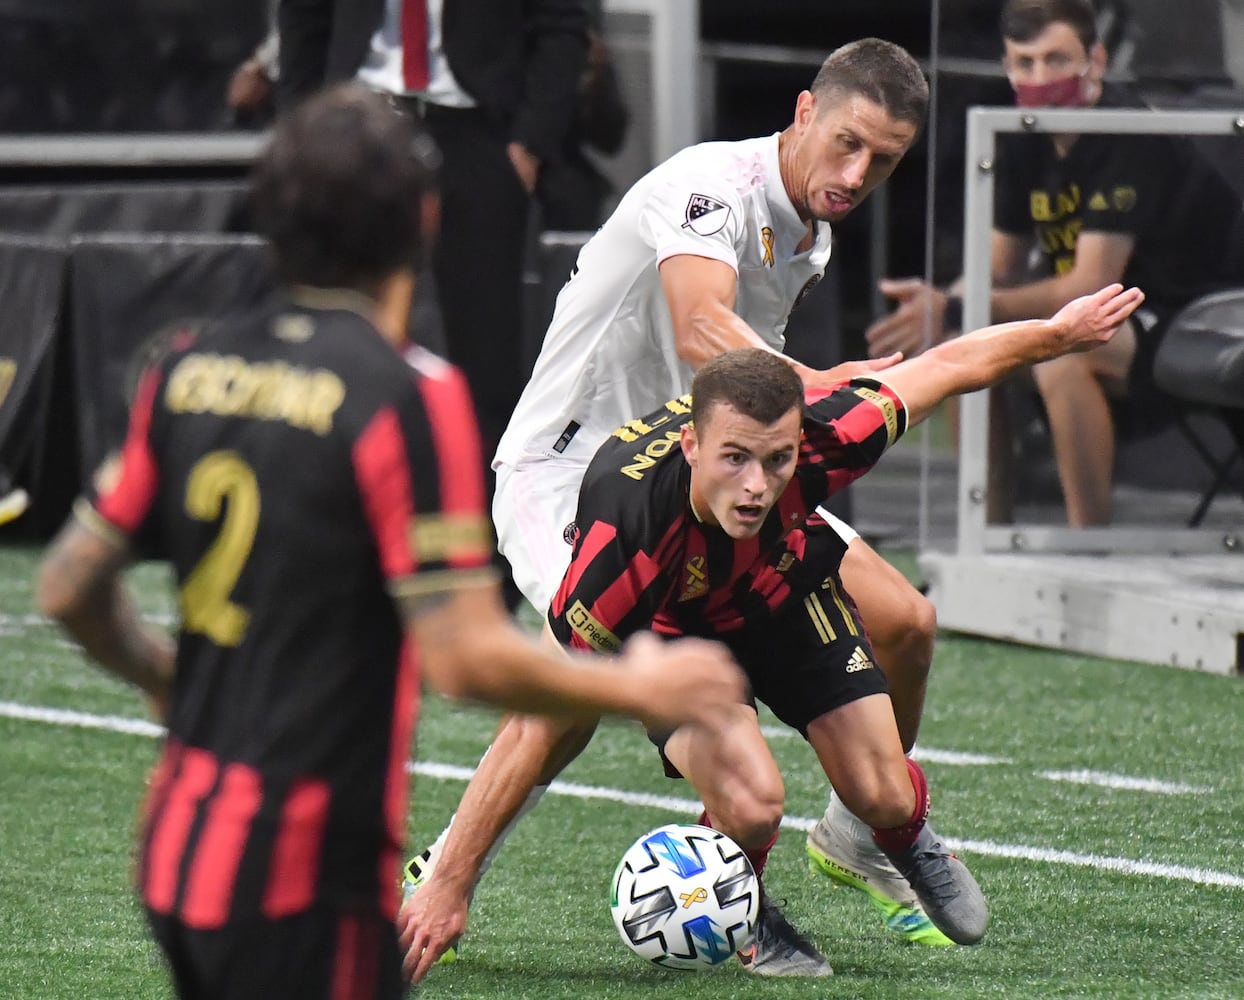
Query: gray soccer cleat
{"type": "Point", "coordinates": [780, 950]}
{"type": "Point", "coordinates": [946, 889]}
{"type": "Point", "coordinates": [832, 852]}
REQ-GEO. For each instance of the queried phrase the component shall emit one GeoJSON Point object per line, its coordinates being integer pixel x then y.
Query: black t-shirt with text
{"type": "Point", "coordinates": [1186, 220]}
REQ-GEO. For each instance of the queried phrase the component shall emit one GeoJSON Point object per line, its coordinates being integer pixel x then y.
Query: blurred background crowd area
{"type": "Point", "coordinates": [161, 66]}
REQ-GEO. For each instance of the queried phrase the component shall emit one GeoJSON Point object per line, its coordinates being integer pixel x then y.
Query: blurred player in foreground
{"type": "Point", "coordinates": [702, 519]}
{"type": "Point", "coordinates": [321, 502]}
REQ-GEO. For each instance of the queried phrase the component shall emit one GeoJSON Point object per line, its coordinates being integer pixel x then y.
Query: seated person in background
{"type": "Point", "coordinates": [1141, 209]}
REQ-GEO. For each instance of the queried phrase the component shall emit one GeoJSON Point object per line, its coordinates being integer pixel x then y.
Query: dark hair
{"type": "Point", "coordinates": [339, 190]}
{"type": "Point", "coordinates": [1023, 20]}
{"type": "Point", "coordinates": [881, 71]}
{"type": "Point", "coordinates": [758, 384]}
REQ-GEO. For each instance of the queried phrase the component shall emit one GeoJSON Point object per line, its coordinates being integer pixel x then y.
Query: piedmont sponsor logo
{"type": "Point", "coordinates": [586, 624]}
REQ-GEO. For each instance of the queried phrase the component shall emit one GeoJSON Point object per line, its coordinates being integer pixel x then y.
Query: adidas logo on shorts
{"type": "Point", "coordinates": [859, 661]}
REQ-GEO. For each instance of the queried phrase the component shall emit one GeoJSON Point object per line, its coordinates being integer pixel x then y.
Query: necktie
{"type": "Point", "coordinates": [415, 44]}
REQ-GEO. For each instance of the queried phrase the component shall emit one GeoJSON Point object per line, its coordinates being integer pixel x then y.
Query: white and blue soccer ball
{"type": "Point", "coordinates": [685, 897]}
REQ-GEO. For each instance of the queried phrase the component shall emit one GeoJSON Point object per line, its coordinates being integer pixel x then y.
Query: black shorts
{"type": "Point", "coordinates": [810, 659]}
{"type": "Point", "coordinates": [322, 954]}
{"type": "Point", "coordinates": [1147, 409]}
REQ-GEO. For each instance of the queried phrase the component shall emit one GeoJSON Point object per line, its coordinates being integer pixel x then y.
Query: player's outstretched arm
{"type": "Point", "coordinates": [527, 750]}
{"type": "Point", "coordinates": [701, 292]}
{"type": "Point", "coordinates": [981, 358]}
{"type": "Point", "coordinates": [470, 648]}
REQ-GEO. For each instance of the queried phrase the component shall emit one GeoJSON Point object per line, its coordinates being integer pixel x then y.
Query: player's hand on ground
{"type": "Point", "coordinates": [430, 922]}
{"type": "Point", "coordinates": [691, 680]}
{"type": "Point", "coordinates": [915, 324]}
{"type": "Point", "coordinates": [1093, 319]}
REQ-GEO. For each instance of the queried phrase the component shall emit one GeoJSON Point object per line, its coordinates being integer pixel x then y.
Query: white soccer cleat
{"type": "Point", "coordinates": [417, 871]}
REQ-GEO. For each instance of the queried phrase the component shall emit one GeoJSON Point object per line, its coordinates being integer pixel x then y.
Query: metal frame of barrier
{"type": "Point", "coordinates": [975, 535]}
{"type": "Point", "coordinates": [1167, 595]}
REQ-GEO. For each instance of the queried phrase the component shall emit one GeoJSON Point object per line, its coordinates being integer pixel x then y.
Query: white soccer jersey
{"type": "Point", "coordinates": [609, 352]}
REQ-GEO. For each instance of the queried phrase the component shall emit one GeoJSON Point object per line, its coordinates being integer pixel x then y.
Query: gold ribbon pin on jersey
{"type": "Point", "coordinates": [766, 237]}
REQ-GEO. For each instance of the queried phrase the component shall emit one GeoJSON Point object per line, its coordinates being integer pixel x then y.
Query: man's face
{"type": "Point", "coordinates": [739, 466]}
{"type": "Point", "coordinates": [1054, 69]}
{"type": "Point", "coordinates": [840, 152]}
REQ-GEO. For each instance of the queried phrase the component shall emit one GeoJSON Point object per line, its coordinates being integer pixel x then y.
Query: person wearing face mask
{"type": "Point", "coordinates": [1142, 209]}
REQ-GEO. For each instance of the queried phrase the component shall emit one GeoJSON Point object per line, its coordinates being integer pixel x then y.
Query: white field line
{"type": "Point", "coordinates": [8, 621]}
{"type": "Point", "coordinates": [1105, 780]}
{"type": "Point", "coordinates": [1102, 779]}
{"type": "Point", "coordinates": [14, 624]}
{"type": "Point", "coordinates": [83, 720]}
{"type": "Point", "coordinates": [954, 757]}
{"type": "Point", "coordinates": [686, 806]}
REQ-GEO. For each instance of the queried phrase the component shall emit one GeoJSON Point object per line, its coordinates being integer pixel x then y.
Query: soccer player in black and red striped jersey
{"type": "Point", "coordinates": [320, 499]}
{"type": "Point", "coordinates": [700, 519]}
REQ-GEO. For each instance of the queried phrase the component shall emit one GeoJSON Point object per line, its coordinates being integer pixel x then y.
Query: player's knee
{"type": "Point", "coordinates": [882, 800]}
{"type": "Point", "coordinates": [1059, 374]}
{"type": "Point", "coordinates": [751, 817]}
{"type": "Point", "coordinates": [910, 642]}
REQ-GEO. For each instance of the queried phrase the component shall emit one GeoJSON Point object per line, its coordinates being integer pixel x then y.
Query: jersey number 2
{"type": "Point", "coordinates": [206, 609]}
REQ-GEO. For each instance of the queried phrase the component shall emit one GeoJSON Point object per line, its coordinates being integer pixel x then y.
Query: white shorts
{"type": "Point", "coordinates": [534, 509]}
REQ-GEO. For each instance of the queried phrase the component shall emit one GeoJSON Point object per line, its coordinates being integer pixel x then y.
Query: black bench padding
{"type": "Point", "coordinates": [1201, 358]}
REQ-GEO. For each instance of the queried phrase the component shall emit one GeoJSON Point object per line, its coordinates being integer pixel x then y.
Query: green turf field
{"type": "Point", "coordinates": [1100, 805]}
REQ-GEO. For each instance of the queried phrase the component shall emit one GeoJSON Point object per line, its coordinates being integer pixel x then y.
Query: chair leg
{"type": "Point", "coordinates": [1221, 468]}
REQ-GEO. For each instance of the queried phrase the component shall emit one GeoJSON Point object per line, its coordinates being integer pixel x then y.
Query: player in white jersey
{"type": "Point", "coordinates": [612, 351]}
{"type": "Point", "coordinates": [710, 251]}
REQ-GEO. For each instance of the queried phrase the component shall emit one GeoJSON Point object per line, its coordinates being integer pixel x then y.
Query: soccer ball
{"type": "Point", "coordinates": [685, 897]}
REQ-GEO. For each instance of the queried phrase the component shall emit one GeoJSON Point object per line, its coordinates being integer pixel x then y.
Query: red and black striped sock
{"type": "Point", "coordinates": [897, 839]}
{"type": "Point", "coordinates": [758, 856]}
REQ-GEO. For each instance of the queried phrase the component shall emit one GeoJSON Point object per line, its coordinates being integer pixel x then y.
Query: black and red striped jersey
{"type": "Point", "coordinates": [642, 560]}
{"type": "Point", "coordinates": [299, 475]}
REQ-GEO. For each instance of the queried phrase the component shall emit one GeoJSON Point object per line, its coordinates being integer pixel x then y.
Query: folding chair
{"type": "Point", "coordinates": [1201, 362]}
